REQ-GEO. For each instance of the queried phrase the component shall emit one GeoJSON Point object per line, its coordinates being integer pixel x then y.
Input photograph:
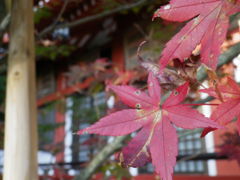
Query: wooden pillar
{"type": "Point", "coordinates": [20, 153]}
{"type": "Point", "coordinates": [118, 56]}
{"type": "Point", "coordinates": [60, 118]}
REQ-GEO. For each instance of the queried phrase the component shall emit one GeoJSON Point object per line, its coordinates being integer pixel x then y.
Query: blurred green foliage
{"type": "Point", "coordinates": [85, 110]}
{"type": "Point", "coordinates": [2, 10]}
{"type": "Point", "coordinates": [44, 129]}
{"type": "Point", "coordinates": [113, 169]}
{"type": "Point", "coordinates": [55, 51]}
{"type": "Point", "coordinates": [47, 124]}
{"type": "Point", "coordinates": [41, 13]}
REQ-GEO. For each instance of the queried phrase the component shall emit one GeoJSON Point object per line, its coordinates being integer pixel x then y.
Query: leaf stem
{"type": "Point", "coordinates": [200, 104]}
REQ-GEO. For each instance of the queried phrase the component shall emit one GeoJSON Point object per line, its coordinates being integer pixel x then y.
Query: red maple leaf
{"type": "Point", "coordinates": [231, 146]}
{"type": "Point", "coordinates": [157, 139]}
{"type": "Point", "coordinates": [207, 27]}
{"type": "Point", "coordinates": [227, 110]}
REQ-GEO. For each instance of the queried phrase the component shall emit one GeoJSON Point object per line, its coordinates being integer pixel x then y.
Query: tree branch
{"type": "Point", "coordinates": [5, 22]}
{"type": "Point", "coordinates": [224, 58]}
{"type": "Point", "coordinates": [201, 156]}
{"type": "Point", "coordinates": [93, 17]}
{"type": "Point", "coordinates": [107, 151]}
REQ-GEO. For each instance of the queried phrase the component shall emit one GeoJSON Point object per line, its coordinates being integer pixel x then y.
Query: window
{"type": "Point", "coordinates": [46, 125]}
{"type": "Point", "coordinates": [45, 84]}
{"type": "Point", "coordinates": [83, 111]}
{"type": "Point", "coordinates": [190, 145]}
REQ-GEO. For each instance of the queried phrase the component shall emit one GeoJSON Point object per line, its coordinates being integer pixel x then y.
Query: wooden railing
{"type": "Point", "coordinates": [188, 177]}
{"type": "Point", "coordinates": [154, 177]}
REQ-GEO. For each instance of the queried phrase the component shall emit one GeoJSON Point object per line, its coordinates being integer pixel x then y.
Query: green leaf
{"type": "Point", "coordinates": [41, 13]}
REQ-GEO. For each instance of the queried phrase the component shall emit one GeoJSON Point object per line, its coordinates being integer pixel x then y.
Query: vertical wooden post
{"type": "Point", "coordinates": [60, 118]}
{"type": "Point", "coordinates": [20, 153]}
{"type": "Point", "coordinates": [118, 57]}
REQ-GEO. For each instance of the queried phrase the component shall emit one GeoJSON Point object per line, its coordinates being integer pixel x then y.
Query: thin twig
{"type": "Point", "coordinates": [53, 25]}
{"type": "Point", "coordinates": [93, 17]}
{"type": "Point", "coordinates": [140, 58]}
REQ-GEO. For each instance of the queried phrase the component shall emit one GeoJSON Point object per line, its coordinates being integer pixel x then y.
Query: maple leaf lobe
{"type": "Point", "coordinates": [208, 28]}
{"type": "Point", "coordinates": [229, 108]}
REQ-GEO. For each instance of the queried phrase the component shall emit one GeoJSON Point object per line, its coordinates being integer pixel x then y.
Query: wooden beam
{"type": "Point", "coordinates": [187, 177]}
{"type": "Point", "coordinates": [92, 18]}
{"type": "Point", "coordinates": [20, 153]}
{"type": "Point", "coordinates": [65, 92]}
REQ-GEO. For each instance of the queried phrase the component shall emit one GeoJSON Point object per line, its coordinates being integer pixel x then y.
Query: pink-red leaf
{"type": "Point", "coordinates": [208, 28]}
{"type": "Point", "coordinates": [206, 131]}
{"type": "Point", "coordinates": [132, 96]}
{"type": "Point", "coordinates": [213, 39]}
{"type": "Point", "coordinates": [231, 88]}
{"type": "Point", "coordinates": [164, 160]}
{"type": "Point", "coordinates": [119, 123]}
{"type": "Point", "coordinates": [174, 10]}
{"type": "Point", "coordinates": [177, 96]}
{"type": "Point", "coordinates": [136, 153]}
{"type": "Point", "coordinates": [157, 140]}
{"type": "Point", "coordinates": [154, 89]}
{"type": "Point", "coordinates": [238, 125]}
{"type": "Point", "coordinates": [188, 118]}
{"type": "Point", "coordinates": [226, 111]}
{"type": "Point", "coordinates": [229, 109]}
{"type": "Point", "coordinates": [228, 91]}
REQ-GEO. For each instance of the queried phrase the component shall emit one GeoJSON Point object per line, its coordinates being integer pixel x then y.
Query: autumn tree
{"type": "Point", "coordinates": [191, 56]}
{"type": "Point", "coordinates": [157, 139]}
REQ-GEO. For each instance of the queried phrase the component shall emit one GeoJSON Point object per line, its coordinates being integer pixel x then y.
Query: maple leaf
{"type": "Point", "coordinates": [231, 146]}
{"type": "Point", "coordinates": [77, 73]}
{"type": "Point", "coordinates": [124, 77]}
{"type": "Point", "coordinates": [227, 110]}
{"type": "Point", "coordinates": [207, 27]}
{"type": "Point", "coordinates": [157, 138]}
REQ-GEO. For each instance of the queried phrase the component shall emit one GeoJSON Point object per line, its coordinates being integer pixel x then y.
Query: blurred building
{"type": "Point", "coordinates": [71, 86]}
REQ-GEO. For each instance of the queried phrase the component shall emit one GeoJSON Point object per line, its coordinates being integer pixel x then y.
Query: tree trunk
{"type": "Point", "coordinates": [20, 155]}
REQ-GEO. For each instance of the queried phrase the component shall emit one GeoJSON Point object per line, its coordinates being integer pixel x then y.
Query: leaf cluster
{"type": "Point", "coordinates": [152, 115]}
{"type": "Point", "coordinates": [55, 51]}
